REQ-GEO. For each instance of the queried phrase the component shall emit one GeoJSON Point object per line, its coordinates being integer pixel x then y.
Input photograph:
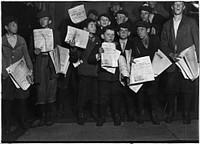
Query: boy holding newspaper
{"type": "Point", "coordinates": [14, 48]}
{"type": "Point", "coordinates": [179, 34]}
{"type": "Point", "coordinates": [45, 40]}
{"type": "Point", "coordinates": [109, 85]}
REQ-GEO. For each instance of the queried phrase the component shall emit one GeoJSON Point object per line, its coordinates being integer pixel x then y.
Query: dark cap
{"type": "Point", "coordinates": [9, 19]}
{"type": "Point", "coordinates": [143, 24]}
{"type": "Point", "coordinates": [93, 11]}
{"type": "Point", "coordinates": [86, 22]}
{"type": "Point", "coordinates": [122, 12]}
{"type": "Point", "coordinates": [145, 7]}
{"type": "Point", "coordinates": [116, 3]}
{"type": "Point", "coordinates": [43, 14]}
{"type": "Point", "coordinates": [105, 15]}
{"type": "Point", "coordinates": [124, 25]}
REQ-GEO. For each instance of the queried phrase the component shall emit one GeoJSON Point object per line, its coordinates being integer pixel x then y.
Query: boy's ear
{"type": "Point", "coordinates": [109, 22]}
{"type": "Point", "coordinates": [50, 21]}
{"type": "Point", "coordinates": [148, 30]}
{"type": "Point", "coordinates": [118, 33]}
{"type": "Point", "coordinates": [85, 29]}
{"type": "Point", "coordinates": [98, 22]}
{"type": "Point", "coordinates": [102, 36]}
{"type": "Point", "coordinates": [126, 19]}
{"type": "Point", "coordinates": [6, 27]}
{"type": "Point", "coordinates": [129, 33]}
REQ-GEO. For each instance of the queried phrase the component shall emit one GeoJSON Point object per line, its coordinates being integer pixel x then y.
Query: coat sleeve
{"type": "Point", "coordinates": [27, 57]}
{"type": "Point", "coordinates": [92, 58]}
{"type": "Point", "coordinates": [195, 36]}
{"type": "Point", "coordinates": [164, 41]}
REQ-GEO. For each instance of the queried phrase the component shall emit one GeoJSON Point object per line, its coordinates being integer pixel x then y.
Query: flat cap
{"type": "Point", "coordinates": [124, 25]}
{"type": "Point", "coordinates": [43, 14]}
{"type": "Point", "coordinates": [143, 24]}
{"type": "Point", "coordinates": [145, 7]}
{"type": "Point", "coordinates": [93, 11]}
{"type": "Point", "coordinates": [122, 12]}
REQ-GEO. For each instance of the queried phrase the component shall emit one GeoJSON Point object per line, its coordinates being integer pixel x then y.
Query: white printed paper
{"type": "Point", "coordinates": [79, 36]}
{"type": "Point", "coordinates": [160, 63]}
{"type": "Point", "coordinates": [77, 14]}
{"type": "Point", "coordinates": [110, 56]}
{"type": "Point", "coordinates": [141, 70]}
{"type": "Point", "coordinates": [43, 39]}
{"type": "Point", "coordinates": [60, 59]}
{"type": "Point", "coordinates": [18, 73]}
{"type": "Point", "coordinates": [188, 63]}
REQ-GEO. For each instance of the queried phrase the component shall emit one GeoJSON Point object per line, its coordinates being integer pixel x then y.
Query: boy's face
{"type": "Point", "coordinates": [120, 18]}
{"type": "Point", "coordinates": [91, 27]}
{"type": "Point", "coordinates": [116, 8]}
{"type": "Point", "coordinates": [123, 33]}
{"type": "Point", "coordinates": [44, 22]}
{"type": "Point", "coordinates": [104, 21]}
{"type": "Point", "coordinates": [92, 16]}
{"type": "Point", "coordinates": [178, 8]}
{"type": "Point", "coordinates": [12, 27]}
{"type": "Point", "coordinates": [144, 15]}
{"type": "Point", "coordinates": [109, 35]}
{"type": "Point", "coordinates": [142, 32]}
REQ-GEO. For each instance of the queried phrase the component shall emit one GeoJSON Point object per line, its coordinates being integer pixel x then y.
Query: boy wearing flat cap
{"type": "Point", "coordinates": [146, 45]}
{"type": "Point", "coordinates": [13, 49]}
{"type": "Point", "coordinates": [156, 20]}
{"type": "Point", "coordinates": [45, 75]}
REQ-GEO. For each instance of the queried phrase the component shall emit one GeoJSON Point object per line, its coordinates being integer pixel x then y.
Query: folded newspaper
{"type": "Point", "coordinates": [60, 59]}
{"type": "Point", "coordinates": [188, 63]}
{"type": "Point", "coordinates": [19, 73]}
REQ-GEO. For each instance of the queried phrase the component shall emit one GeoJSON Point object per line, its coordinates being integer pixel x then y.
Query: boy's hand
{"type": "Point", "coordinates": [132, 60]}
{"type": "Point", "coordinates": [175, 57]}
{"type": "Point", "coordinates": [101, 50]}
{"type": "Point", "coordinates": [37, 51]}
{"type": "Point", "coordinates": [30, 79]}
{"type": "Point", "coordinates": [72, 43]}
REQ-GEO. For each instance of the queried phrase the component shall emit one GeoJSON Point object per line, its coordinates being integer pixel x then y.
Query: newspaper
{"type": "Point", "coordinates": [19, 73]}
{"type": "Point", "coordinates": [43, 39]}
{"type": "Point", "coordinates": [141, 70]}
{"type": "Point", "coordinates": [160, 63]}
{"type": "Point", "coordinates": [77, 14]}
{"type": "Point", "coordinates": [79, 36]}
{"type": "Point", "coordinates": [188, 63]}
{"type": "Point", "coordinates": [110, 56]}
{"type": "Point", "coordinates": [60, 59]}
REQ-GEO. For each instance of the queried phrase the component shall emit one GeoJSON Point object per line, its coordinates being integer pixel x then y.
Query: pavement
{"type": "Point", "coordinates": [127, 132]}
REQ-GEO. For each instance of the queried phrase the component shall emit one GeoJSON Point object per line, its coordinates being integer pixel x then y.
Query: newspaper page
{"type": "Point", "coordinates": [160, 63]}
{"type": "Point", "coordinates": [79, 36]}
{"type": "Point", "coordinates": [141, 70]}
{"type": "Point", "coordinates": [18, 73]}
{"type": "Point", "coordinates": [188, 63]}
{"type": "Point", "coordinates": [110, 56]}
{"type": "Point", "coordinates": [43, 39]}
{"type": "Point", "coordinates": [77, 14]}
{"type": "Point", "coordinates": [60, 59]}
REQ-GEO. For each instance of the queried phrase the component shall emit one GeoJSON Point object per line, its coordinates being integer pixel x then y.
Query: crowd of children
{"type": "Point", "coordinates": [90, 82]}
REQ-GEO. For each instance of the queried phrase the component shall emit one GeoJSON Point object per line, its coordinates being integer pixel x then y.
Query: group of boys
{"type": "Point", "coordinates": [94, 82]}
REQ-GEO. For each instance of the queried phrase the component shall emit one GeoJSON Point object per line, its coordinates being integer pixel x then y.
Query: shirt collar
{"type": "Point", "coordinates": [11, 36]}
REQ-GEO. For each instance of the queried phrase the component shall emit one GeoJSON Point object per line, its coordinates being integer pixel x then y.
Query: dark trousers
{"type": "Point", "coordinates": [88, 90]}
{"type": "Point", "coordinates": [176, 84]}
{"type": "Point", "coordinates": [110, 91]}
{"type": "Point", "coordinates": [148, 91]}
{"type": "Point", "coordinates": [127, 100]}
